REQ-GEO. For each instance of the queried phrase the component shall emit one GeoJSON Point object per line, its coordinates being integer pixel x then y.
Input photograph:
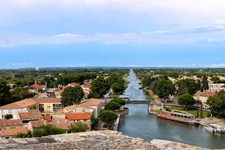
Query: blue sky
{"type": "Point", "coordinates": [80, 33]}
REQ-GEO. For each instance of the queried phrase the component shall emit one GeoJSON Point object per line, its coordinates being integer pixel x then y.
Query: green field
{"type": "Point", "coordinates": [192, 111]}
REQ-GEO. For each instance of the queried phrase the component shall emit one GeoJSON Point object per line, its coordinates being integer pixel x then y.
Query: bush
{"type": "Point", "coordinates": [78, 127]}
{"type": "Point", "coordinates": [48, 129]}
{"type": "Point", "coordinates": [119, 100]}
{"type": "Point", "coordinates": [112, 105]}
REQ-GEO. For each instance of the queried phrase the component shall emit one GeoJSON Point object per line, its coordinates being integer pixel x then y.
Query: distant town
{"type": "Point", "coordinates": [39, 102]}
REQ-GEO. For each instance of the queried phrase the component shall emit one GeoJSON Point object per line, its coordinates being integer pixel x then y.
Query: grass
{"type": "Point", "coordinates": [192, 111]}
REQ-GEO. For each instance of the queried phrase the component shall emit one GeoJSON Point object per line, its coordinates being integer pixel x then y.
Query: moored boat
{"type": "Point", "coordinates": [214, 128]}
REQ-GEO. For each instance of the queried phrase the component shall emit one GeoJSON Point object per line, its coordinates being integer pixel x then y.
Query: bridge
{"type": "Point", "coordinates": [138, 102]}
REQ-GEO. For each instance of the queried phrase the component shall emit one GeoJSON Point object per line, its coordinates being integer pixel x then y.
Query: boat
{"type": "Point", "coordinates": [214, 128]}
{"type": "Point", "coordinates": [178, 116]}
{"type": "Point", "coordinates": [125, 97]}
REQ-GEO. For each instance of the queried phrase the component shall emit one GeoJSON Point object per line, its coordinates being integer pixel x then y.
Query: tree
{"type": "Point", "coordinates": [108, 117]}
{"type": "Point", "coordinates": [112, 105]}
{"type": "Point", "coordinates": [78, 127]}
{"type": "Point", "coordinates": [99, 87]}
{"type": "Point", "coordinates": [165, 88]}
{"type": "Point", "coordinates": [72, 95]}
{"type": "Point", "coordinates": [94, 122]}
{"type": "Point", "coordinates": [187, 86]}
{"type": "Point", "coordinates": [186, 99]}
{"type": "Point", "coordinates": [217, 104]}
{"type": "Point", "coordinates": [205, 85]}
{"type": "Point", "coordinates": [117, 88]}
{"type": "Point", "coordinates": [119, 100]}
{"type": "Point", "coordinates": [5, 96]}
{"type": "Point", "coordinates": [21, 93]}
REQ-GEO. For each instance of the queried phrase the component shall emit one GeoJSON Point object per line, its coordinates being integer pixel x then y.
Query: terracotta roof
{"type": "Point", "coordinates": [20, 104]}
{"type": "Point", "coordinates": [37, 123]}
{"type": "Point", "coordinates": [47, 100]}
{"type": "Point", "coordinates": [37, 86]}
{"type": "Point", "coordinates": [205, 94]}
{"type": "Point", "coordinates": [78, 116]}
{"type": "Point", "coordinates": [73, 84]}
{"type": "Point", "coordinates": [61, 123]}
{"type": "Point", "coordinates": [30, 115]}
{"type": "Point", "coordinates": [75, 106]}
{"type": "Point", "coordinates": [48, 118]}
{"type": "Point", "coordinates": [14, 131]}
{"type": "Point", "coordinates": [10, 122]}
{"type": "Point", "coordinates": [91, 102]}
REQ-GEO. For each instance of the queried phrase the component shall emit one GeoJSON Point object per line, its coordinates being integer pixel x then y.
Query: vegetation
{"type": "Point", "coordinates": [20, 94]}
{"type": "Point", "coordinates": [5, 95]}
{"type": "Point", "coordinates": [72, 95]}
{"type": "Point", "coordinates": [48, 129]}
{"type": "Point", "coordinates": [78, 127]}
{"type": "Point", "coordinates": [119, 100]}
{"type": "Point", "coordinates": [186, 99]}
{"type": "Point", "coordinates": [217, 104]}
{"type": "Point", "coordinates": [112, 105]}
{"type": "Point", "coordinates": [94, 122]}
{"type": "Point", "coordinates": [187, 86]}
{"type": "Point", "coordinates": [108, 117]}
{"type": "Point", "coordinates": [165, 88]}
{"type": "Point", "coordinates": [99, 87]}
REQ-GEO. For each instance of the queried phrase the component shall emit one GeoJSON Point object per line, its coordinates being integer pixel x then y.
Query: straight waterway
{"type": "Point", "coordinates": [138, 123]}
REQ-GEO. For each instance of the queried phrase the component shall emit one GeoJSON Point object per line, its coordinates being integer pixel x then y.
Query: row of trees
{"type": "Point", "coordinates": [163, 87]}
{"type": "Point", "coordinates": [101, 85]}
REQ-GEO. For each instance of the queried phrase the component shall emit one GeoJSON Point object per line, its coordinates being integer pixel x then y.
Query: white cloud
{"type": "Point", "coordinates": [205, 34]}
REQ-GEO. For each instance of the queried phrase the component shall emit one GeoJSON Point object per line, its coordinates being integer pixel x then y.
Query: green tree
{"type": "Point", "coordinates": [117, 88]}
{"type": "Point", "coordinates": [21, 93]}
{"type": "Point", "coordinates": [217, 104]}
{"type": "Point", "coordinates": [165, 88]}
{"type": "Point", "coordinates": [72, 95]}
{"type": "Point", "coordinates": [187, 86]}
{"type": "Point", "coordinates": [99, 87]}
{"type": "Point", "coordinates": [186, 99]}
{"type": "Point", "coordinates": [112, 105]}
{"type": "Point", "coordinates": [5, 96]}
{"type": "Point", "coordinates": [108, 117]}
{"type": "Point", "coordinates": [48, 129]}
{"type": "Point", "coordinates": [78, 127]}
{"type": "Point", "coordinates": [205, 85]}
{"type": "Point", "coordinates": [119, 100]}
{"type": "Point", "coordinates": [94, 122]}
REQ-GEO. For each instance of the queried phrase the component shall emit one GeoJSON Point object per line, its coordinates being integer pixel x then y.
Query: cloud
{"type": "Point", "coordinates": [204, 34]}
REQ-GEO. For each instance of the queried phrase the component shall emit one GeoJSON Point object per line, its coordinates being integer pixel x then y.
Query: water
{"type": "Point", "coordinates": [138, 123]}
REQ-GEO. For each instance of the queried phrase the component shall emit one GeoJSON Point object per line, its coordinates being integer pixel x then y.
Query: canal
{"type": "Point", "coordinates": [138, 123]}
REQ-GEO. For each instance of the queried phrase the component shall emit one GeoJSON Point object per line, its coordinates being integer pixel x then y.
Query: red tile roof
{"type": "Point", "coordinates": [205, 94]}
{"type": "Point", "coordinates": [30, 115]}
{"type": "Point", "coordinates": [10, 122]}
{"type": "Point", "coordinates": [91, 102]}
{"type": "Point", "coordinates": [78, 116]}
{"type": "Point", "coordinates": [47, 100]}
{"type": "Point", "coordinates": [73, 84]}
{"type": "Point", "coordinates": [13, 131]}
{"type": "Point", "coordinates": [37, 86]}
{"type": "Point", "coordinates": [61, 123]}
{"type": "Point", "coordinates": [37, 123]}
{"type": "Point", "coordinates": [20, 104]}
{"type": "Point", "coordinates": [48, 118]}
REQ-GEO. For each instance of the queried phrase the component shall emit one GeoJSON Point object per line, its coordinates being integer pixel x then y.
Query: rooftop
{"type": "Point", "coordinates": [30, 115]}
{"type": "Point", "coordinates": [78, 116]}
{"type": "Point", "coordinates": [13, 131]}
{"type": "Point", "coordinates": [91, 102]}
{"type": "Point", "coordinates": [205, 94]}
{"type": "Point", "coordinates": [20, 104]}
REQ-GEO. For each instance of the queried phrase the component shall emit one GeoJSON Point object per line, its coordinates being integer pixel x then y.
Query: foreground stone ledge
{"type": "Point", "coordinates": [92, 140]}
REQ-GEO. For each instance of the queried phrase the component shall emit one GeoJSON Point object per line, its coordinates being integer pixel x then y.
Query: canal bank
{"type": "Point", "coordinates": [138, 123]}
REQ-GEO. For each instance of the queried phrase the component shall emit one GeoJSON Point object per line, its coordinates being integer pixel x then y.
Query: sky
{"type": "Point", "coordinates": [121, 33]}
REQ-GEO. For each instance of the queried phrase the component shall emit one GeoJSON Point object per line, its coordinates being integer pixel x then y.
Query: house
{"type": "Point", "coordinates": [216, 87]}
{"type": "Point", "coordinates": [48, 105]}
{"type": "Point", "coordinates": [36, 88]}
{"type": "Point", "coordinates": [93, 103]}
{"type": "Point", "coordinates": [79, 109]}
{"type": "Point", "coordinates": [203, 96]}
{"type": "Point", "coordinates": [10, 123]}
{"type": "Point", "coordinates": [82, 117]}
{"type": "Point", "coordinates": [35, 123]}
{"type": "Point", "coordinates": [19, 106]}
{"type": "Point", "coordinates": [13, 131]}
{"type": "Point", "coordinates": [30, 115]}
{"type": "Point", "coordinates": [61, 123]}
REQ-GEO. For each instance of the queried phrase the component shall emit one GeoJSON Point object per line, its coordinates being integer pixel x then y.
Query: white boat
{"type": "Point", "coordinates": [214, 128]}
{"type": "Point", "coordinates": [125, 97]}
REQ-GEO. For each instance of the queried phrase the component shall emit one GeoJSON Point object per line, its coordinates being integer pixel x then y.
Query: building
{"type": "Point", "coordinates": [30, 115]}
{"type": "Point", "coordinates": [19, 106]}
{"type": "Point", "coordinates": [216, 87]}
{"type": "Point", "coordinates": [93, 103]}
{"type": "Point", "coordinates": [13, 131]}
{"type": "Point", "coordinates": [48, 105]}
{"type": "Point", "coordinates": [36, 88]}
{"type": "Point", "coordinates": [203, 96]}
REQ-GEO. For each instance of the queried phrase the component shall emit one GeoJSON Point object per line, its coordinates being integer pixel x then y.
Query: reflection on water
{"type": "Point", "coordinates": [138, 123]}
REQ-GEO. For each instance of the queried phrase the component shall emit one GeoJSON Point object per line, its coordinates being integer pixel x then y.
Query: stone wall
{"type": "Point", "coordinates": [92, 140]}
